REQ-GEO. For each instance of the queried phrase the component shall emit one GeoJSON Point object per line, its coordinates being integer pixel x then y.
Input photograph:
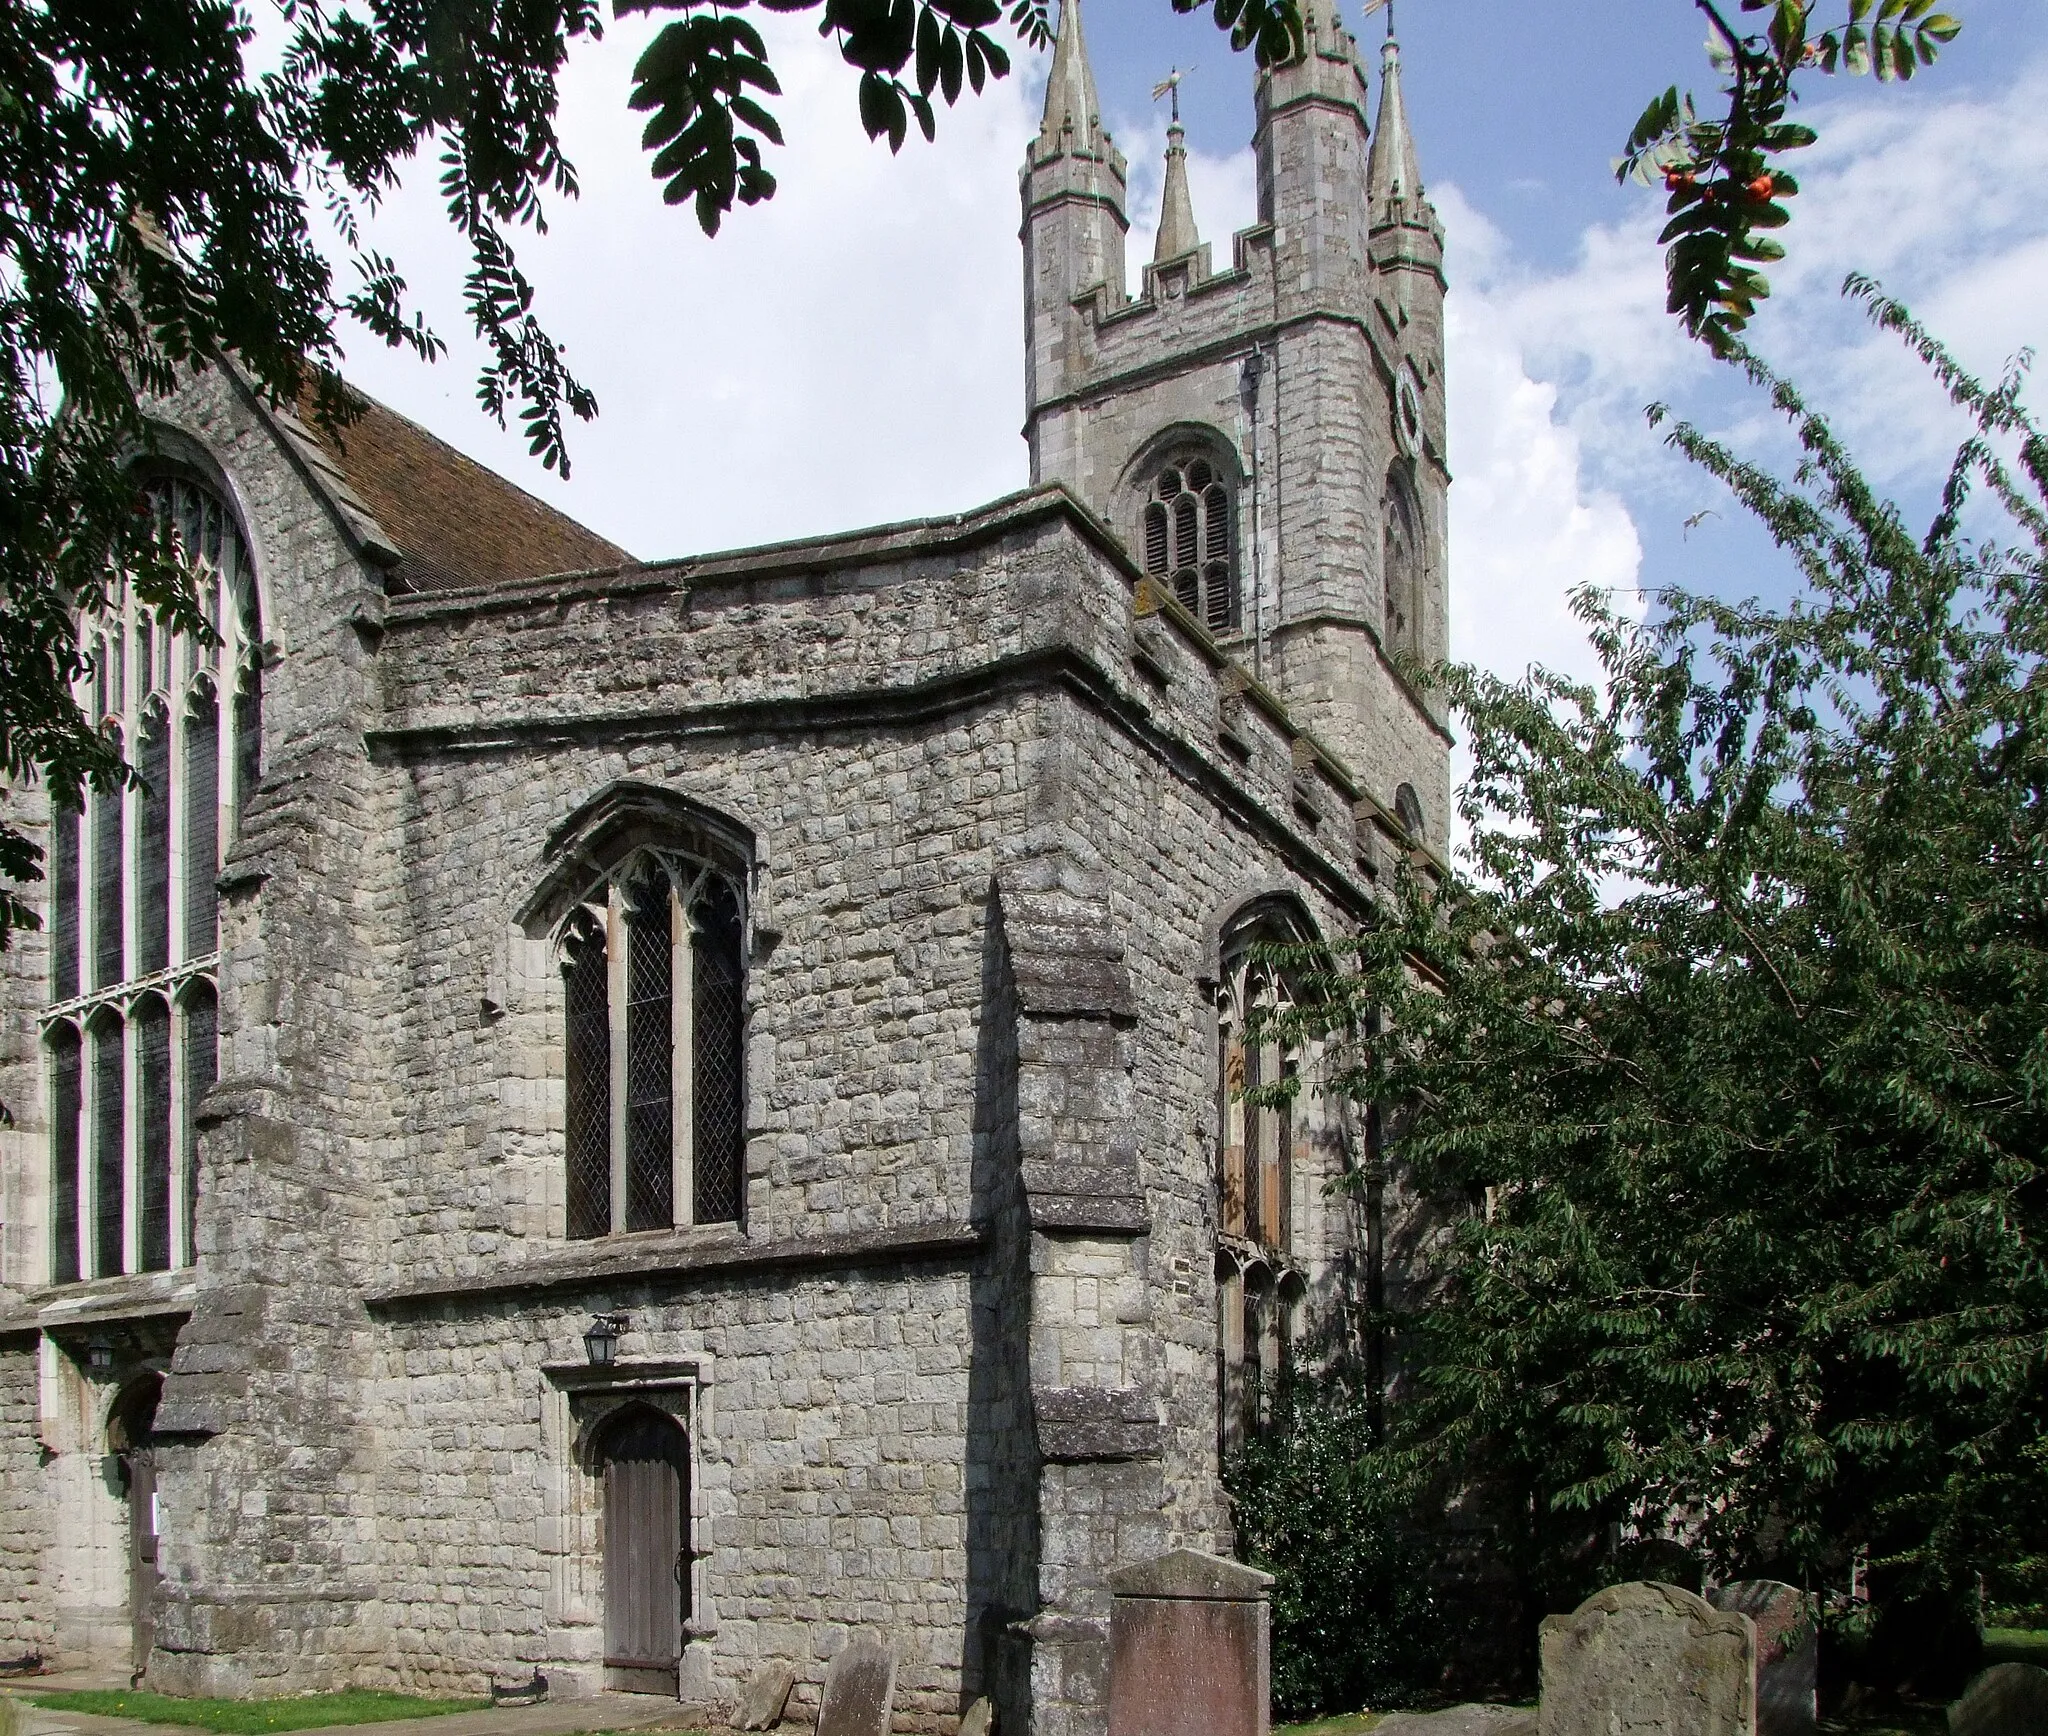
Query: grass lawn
{"type": "Point", "coordinates": [1348, 1725]}
{"type": "Point", "coordinates": [253, 1717]}
{"type": "Point", "coordinates": [2016, 1646]}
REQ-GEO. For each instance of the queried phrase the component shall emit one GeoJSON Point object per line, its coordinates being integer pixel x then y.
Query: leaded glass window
{"type": "Point", "coordinates": [130, 1030]}
{"type": "Point", "coordinates": [1256, 1274]}
{"type": "Point", "coordinates": [654, 1017]}
{"type": "Point", "coordinates": [1188, 538]}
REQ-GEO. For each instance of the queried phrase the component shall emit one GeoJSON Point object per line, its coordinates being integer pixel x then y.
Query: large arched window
{"type": "Point", "coordinates": [1256, 1278]}
{"type": "Point", "coordinates": [130, 1028]}
{"type": "Point", "coordinates": [1402, 560]}
{"type": "Point", "coordinates": [651, 961]}
{"type": "Point", "coordinates": [1187, 536]}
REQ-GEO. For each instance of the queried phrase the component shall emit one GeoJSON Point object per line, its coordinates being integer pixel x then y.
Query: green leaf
{"type": "Point", "coordinates": [928, 52]}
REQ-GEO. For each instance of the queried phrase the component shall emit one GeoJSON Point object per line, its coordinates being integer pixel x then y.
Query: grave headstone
{"type": "Point", "coordinates": [1648, 1660]}
{"type": "Point", "coordinates": [761, 1706]}
{"type": "Point", "coordinates": [2006, 1700]}
{"type": "Point", "coordinates": [1190, 1648]}
{"type": "Point", "coordinates": [860, 1690]}
{"type": "Point", "coordinates": [980, 1719]}
{"type": "Point", "coordinates": [1787, 1652]}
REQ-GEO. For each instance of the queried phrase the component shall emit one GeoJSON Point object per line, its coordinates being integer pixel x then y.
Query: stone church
{"type": "Point", "coordinates": [633, 1119]}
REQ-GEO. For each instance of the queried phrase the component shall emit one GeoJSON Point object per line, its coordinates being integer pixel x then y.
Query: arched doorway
{"type": "Point", "coordinates": [644, 1458]}
{"type": "Point", "coordinates": [132, 1441]}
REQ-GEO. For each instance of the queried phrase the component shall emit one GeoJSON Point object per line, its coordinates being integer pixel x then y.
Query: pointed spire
{"type": "Point", "coordinates": [1070, 99]}
{"type": "Point", "coordinates": [1393, 172]}
{"type": "Point", "coordinates": [1176, 210]}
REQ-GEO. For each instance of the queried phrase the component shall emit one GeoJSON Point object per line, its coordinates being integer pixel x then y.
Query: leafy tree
{"type": "Point", "coordinates": [1736, 1041]}
{"type": "Point", "coordinates": [1356, 1617]}
{"type": "Point", "coordinates": [1725, 191]}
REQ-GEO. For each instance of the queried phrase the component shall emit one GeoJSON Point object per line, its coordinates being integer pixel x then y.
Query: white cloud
{"type": "Point", "coordinates": [845, 354]}
{"type": "Point", "coordinates": [1557, 477]}
{"type": "Point", "coordinates": [1527, 525]}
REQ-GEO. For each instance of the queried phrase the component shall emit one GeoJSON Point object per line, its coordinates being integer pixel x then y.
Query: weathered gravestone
{"type": "Point", "coordinates": [860, 1690]}
{"type": "Point", "coordinates": [761, 1706]}
{"type": "Point", "coordinates": [1190, 1648]}
{"type": "Point", "coordinates": [1787, 1652]}
{"type": "Point", "coordinates": [980, 1719]}
{"type": "Point", "coordinates": [2006, 1700]}
{"type": "Point", "coordinates": [1648, 1660]}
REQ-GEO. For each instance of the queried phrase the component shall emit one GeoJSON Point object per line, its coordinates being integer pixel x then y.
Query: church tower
{"type": "Point", "coordinates": [1267, 439]}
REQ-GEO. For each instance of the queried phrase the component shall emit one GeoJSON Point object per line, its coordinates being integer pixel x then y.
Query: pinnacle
{"type": "Point", "coordinates": [1177, 234]}
{"type": "Point", "coordinates": [1070, 100]}
{"type": "Point", "coordinates": [1393, 171]}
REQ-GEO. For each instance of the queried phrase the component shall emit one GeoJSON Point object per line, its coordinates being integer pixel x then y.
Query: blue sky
{"type": "Point", "coordinates": [849, 353]}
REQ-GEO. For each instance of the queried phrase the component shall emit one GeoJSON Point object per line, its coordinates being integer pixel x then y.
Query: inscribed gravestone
{"type": "Point", "coordinates": [1648, 1660]}
{"type": "Point", "coordinates": [1787, 1652]}
{"type": "Point", "coordinates": [1190, 1648]}
{"type": "Point", "coordinates": [760, 1707]}
{"type": "Point", "coordinates": [2006, 1700]}
{"type": "Point", "coordinates": [860, 1690]}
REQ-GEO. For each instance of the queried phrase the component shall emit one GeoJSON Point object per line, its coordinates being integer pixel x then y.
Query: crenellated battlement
{"type": "Point", "coordinates": [1304, 382]}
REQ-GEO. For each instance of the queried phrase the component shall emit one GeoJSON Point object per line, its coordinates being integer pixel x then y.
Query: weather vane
{"type": "Point", "coordinates": [1386, 6]}
{"type": "Point", "coordinates": [1170, 85]}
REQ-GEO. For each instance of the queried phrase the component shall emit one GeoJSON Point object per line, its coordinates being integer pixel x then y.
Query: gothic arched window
{"type": "Point", "coordinates": [1256, 1278]}
{"type": "Point", "coordinates": [130, 1028]}
{"type": "Point", "coordinates": [1187, 535]}
{"type": "Point", "coordinates": [654, 1014]}
{"type": "Point", "coordinates": [1402, 560]}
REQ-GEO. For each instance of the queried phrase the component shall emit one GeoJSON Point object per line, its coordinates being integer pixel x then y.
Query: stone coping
{"type": "Point", "coordinates": [875, 546]}
{"type": "Point", "coordinates": [682, 1258]}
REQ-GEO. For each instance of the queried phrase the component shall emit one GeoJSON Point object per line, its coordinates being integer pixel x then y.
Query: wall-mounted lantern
{"type": "Point", "coordinates": [601, 1341]}
{"type": "Point", "coordinates": [99, 1356]}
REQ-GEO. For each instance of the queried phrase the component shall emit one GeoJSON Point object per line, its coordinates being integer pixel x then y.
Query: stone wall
{"type": "Point", "coordinates": [959, 1360]}
{"type": "Point", "coordinates": [26, 1614]}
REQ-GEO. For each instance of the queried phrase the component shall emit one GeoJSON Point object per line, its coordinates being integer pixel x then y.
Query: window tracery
{"type": "Point", "coordinates": [653, 1008]}
{"type": "Point", "coordinates": [130, 1027]}
{"type": "Point", "coordinates": [1401, 560]}
{"type": "Point", "coordinates": [1257, 1282]}
{"type": "Point", "coordinates": [1188, 537]}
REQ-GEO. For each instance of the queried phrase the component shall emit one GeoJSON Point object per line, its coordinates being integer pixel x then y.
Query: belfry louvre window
{"type": "Point", "coordinates": [1188, 535]}
{"type": "Point", "coordinates": [1402, 560]}
{"type": "Point", "coordinates": [653, 1005]}
{"type": "Point", "coordinates": [129, 1028]}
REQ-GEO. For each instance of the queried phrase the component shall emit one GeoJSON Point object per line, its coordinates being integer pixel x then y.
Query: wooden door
{"type": "Point", "coordinates": [646, 1551]}
{"type": "Point", "coordinates": [143, 1573]}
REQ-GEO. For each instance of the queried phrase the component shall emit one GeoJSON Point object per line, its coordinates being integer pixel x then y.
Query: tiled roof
{"type": "Point", "coordinates": [453, 522]}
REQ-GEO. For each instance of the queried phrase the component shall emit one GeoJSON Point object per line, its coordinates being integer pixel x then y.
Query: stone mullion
{"type": "Point", "coordinates": [129, 703]}
{"type": "Point", "coordinates": [181, 1090]}
{"type": "Point", "coordinates": [1230, 1328]}
{"type": "Point", "coordinates": [615, 937]}
{"type": "Point", "coordinates": [176, 697]}
{"type": "Point", "coordinates": [683, 1062]}
{"type": "Point", "coordinates": [1231, 1174]}
{"type": "Point", "coordinates": [1267, 1180]}
{"type": "Point", "coordinates": [227, 759]}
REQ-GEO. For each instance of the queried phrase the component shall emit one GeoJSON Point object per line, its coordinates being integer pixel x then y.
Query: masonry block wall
{"type": "Point", "coordinates": [998, 794]}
